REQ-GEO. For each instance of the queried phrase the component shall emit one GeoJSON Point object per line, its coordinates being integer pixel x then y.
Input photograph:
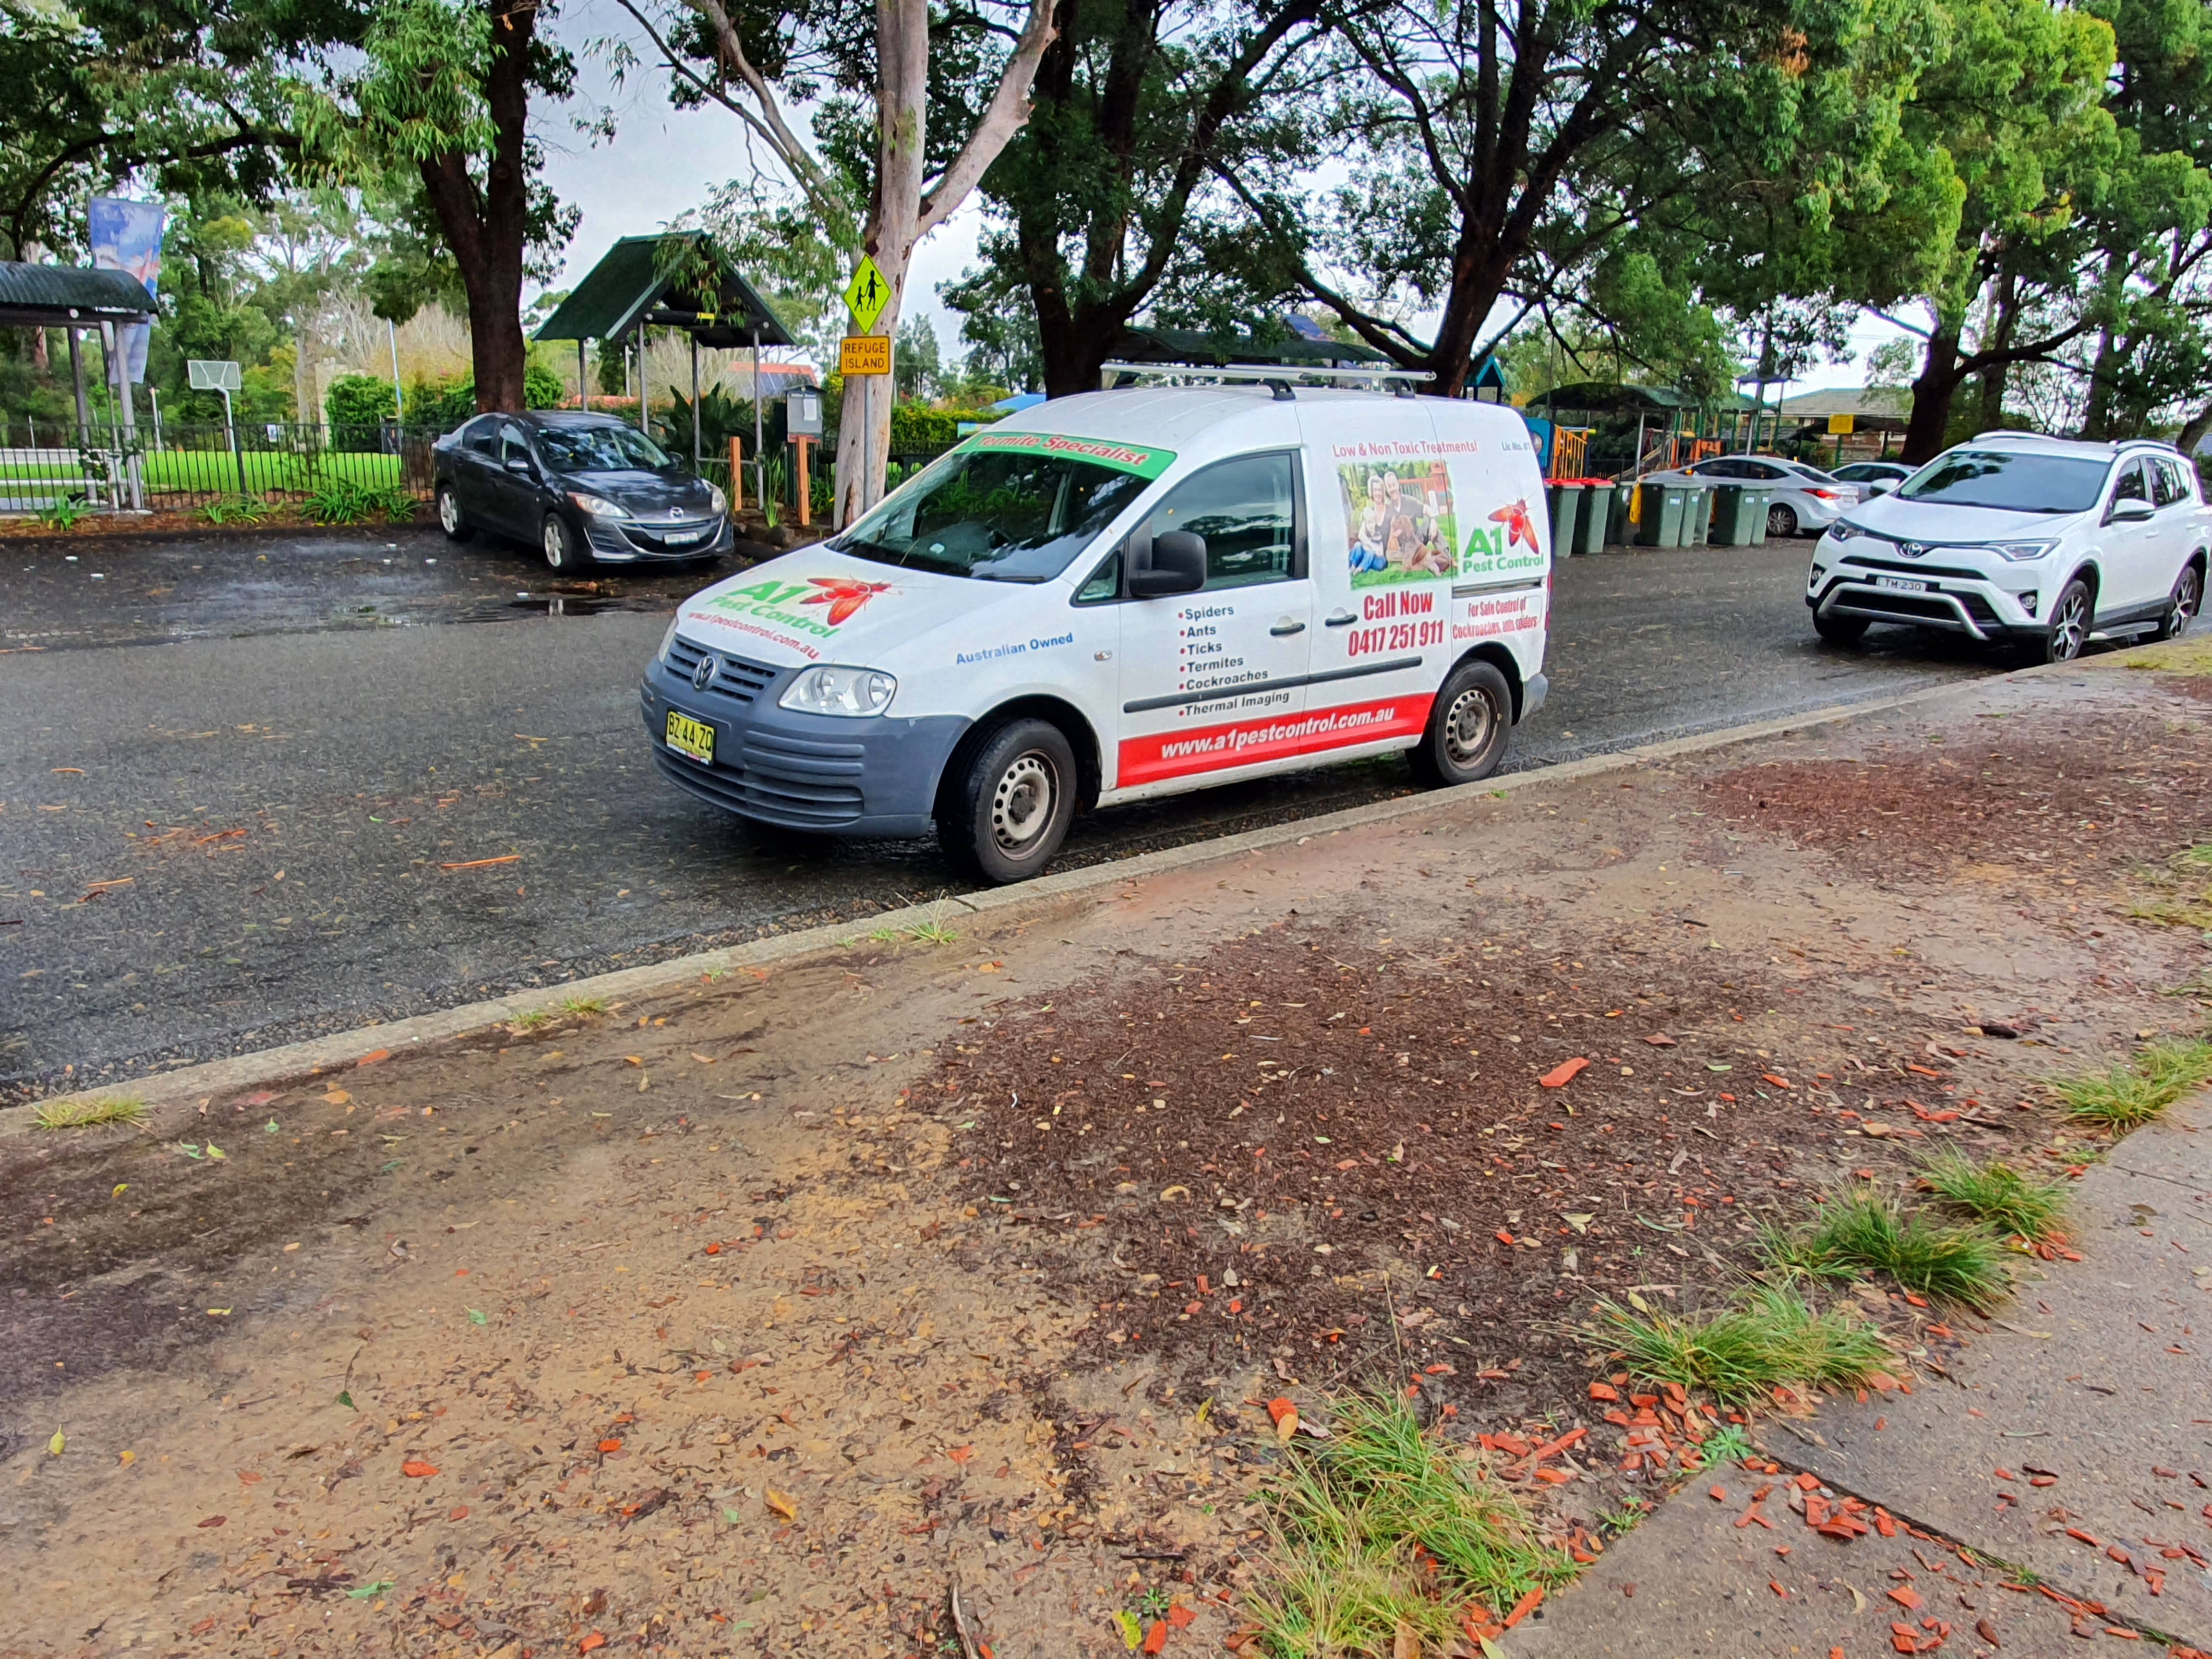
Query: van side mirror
{"type": "Point", "coordinates": [1175, 563]}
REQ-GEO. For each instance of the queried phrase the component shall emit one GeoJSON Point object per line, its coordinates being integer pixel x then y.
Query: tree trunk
{"type": "Point", "coordinates": [1931, 397]}
{"type": "Point", "coordinates": [487, 228]}
{"type": "Point", "coordinates": [2097, 411]}
{"type": "Point", "coordinates": [900, 215]}
{"type": "Point", "coordinates": [2193, 430]}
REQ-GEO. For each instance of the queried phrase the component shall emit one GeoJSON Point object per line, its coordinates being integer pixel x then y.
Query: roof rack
{"type": "Point", "coordinates": [2052, 438]}
{"type": "Point", "coordinates": [1281, 378]}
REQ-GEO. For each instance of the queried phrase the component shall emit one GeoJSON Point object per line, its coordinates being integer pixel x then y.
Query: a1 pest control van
{"type": "Point", "coordinates": [1123, 594]}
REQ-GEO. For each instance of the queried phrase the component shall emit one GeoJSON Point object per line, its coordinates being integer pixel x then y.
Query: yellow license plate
{"type": "Point", "coordinates": [693, 739]}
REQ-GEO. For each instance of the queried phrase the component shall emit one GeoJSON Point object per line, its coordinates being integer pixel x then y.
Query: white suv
{"type": "Point", "coordinates": [2040, 541]}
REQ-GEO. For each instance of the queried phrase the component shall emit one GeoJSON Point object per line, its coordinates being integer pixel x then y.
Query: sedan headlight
{"type": "Point", "coordinates": [828, 690]}
{"type": "Point", "coordinates": [597, 505]}
{"type": "Point", "coordinates": [721, 502]}
{"type": "Point", "coordinates": [2021, 552]}
{"type": "Point", "coordinates": [666, 640]}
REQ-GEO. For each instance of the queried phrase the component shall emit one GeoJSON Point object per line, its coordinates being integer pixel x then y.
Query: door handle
{"type": "Point", "coordinates": [1341, 619]}
{"type": "Point", "coordinates": [1287, 626]}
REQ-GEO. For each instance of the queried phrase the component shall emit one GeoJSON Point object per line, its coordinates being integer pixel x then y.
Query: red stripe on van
{"type": "Point", "coordinates": [1246, 743]}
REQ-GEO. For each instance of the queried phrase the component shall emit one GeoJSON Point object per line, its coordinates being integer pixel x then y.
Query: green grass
{"type": "Point", "coordinates": [529, 1020]}
{"type": "Point", "coordinates": [1998, 1194]}
{"type": "Point", "coordinates": [932, 932]}
{"type": "Point", "coordinates": [1857, 1235]}
{"type": "Point", "coordinates": [2188, 878]}
{"type": "Point", "coordinates": [1384, 1528]}
{"type": "Point", "coordinates": [2140, 1090]}
{"type": "Point", "coordinates": [581, 1005]}
{"type": "Point", "coordinates": [1743, 1352]}
{"type": "Point", "coordinates": [204, 470]}
{"type": "Point", "coordinates": [126, 1110]}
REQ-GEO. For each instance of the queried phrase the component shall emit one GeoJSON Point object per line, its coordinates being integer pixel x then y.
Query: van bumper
{"type": "Point", "coordinates": [875, 776]}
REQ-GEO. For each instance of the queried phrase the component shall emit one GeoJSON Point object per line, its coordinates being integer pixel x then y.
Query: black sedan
{"type": "Point", "coordinates": [587, 489]}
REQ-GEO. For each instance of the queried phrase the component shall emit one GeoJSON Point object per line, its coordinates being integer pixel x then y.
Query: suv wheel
{"type": "Point", "coordinates": [1006, 814]}
{"type": "Point", "coordinates": [1470, 726]}
{"type": "Point", "coordinates": [450, 519]}
{"type": "Point", "coordinates": [1839, 630]}
{"type": "Point", "coordinates": [2182, 605]}
{"type": "Point", "coordinates": [2070, 617]}
{"type": "Point", "coordinates": [1781, 521]}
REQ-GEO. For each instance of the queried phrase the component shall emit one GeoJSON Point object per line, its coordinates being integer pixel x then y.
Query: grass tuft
{"type": "Point", "coordinates": [529, 1020]}
{"type": "Point", "coordinates": [2132, 1094]}
{"type": "Point", "coordinates": [1998, 1194]}
{"type": "Point", "coordinates": [1774, 1337]}
{"type": "Point", "coordinates": [1859, 1234]}
{"type": "Point", "coordinates": [582, 1006]}
{"type": "Point", "coordinates": [127, 1110]}
{"type": "Point", "coordinates": [1381, 1530]}
{"type": "Point", "coordinates": [932, 932]}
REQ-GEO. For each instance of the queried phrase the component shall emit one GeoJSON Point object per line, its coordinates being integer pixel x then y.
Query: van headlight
{"type": "Point", "coordinates": [666, 640]}
{"type": "Point", "coordinates": [828, 690]}
{"type": "Point", "coordinates": [2021, 552]}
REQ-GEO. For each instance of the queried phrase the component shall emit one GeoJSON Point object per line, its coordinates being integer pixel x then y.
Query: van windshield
{"type": "Point", "coordinates": [1004, 516]}
{"type": "Point", "coordinates": [2019, 481]}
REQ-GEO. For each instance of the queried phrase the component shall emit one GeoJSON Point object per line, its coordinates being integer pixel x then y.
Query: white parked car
{"type": "Point", "coordinates": [2045, 542]}
{"type": "Point", "coordinates": [1872, 477]}
{"type": "Point", "coordinates": [1119, 595]}
{"type": "Point", "coordinates": [1804, 497]}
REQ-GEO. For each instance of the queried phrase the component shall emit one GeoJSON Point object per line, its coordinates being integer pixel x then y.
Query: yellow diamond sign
{"type": "Point", "coordinates": [867, 294]}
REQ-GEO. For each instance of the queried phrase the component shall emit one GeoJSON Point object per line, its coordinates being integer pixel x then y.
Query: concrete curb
{"type": "Point", "coordinates": [344, 1048]}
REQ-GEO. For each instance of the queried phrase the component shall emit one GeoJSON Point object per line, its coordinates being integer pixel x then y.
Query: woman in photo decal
{"type": "Point", "coordinates": [1371, 530]}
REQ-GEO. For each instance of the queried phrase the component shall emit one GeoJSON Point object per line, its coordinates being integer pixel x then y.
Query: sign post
{"type": "Point", "coordinates": [802, 425]}
{"type": "Point", "coordinates": [206, 375]}
{"type": "Point", "coordinates": [868, 296]}
{"type": "Point", "coordinates": [1839, 428]}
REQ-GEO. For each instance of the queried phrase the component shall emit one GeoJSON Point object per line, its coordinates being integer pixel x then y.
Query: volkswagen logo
{"type": "Point", "coordinates": [1911, 550]}
{"type": "Point", "coordinates": [703, 675]}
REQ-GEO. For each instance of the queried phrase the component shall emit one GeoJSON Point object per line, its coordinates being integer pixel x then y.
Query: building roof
{"type": "Point", "coordinates": [1867, 402]}
{"type": "Point", "coordinates": [1608, 396]}
{"type": "Point", "coordinates": [674, 281]}
{"type": "Point", "coordinates": [32, 295]}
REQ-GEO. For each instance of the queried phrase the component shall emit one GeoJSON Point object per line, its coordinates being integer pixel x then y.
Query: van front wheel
{"type": "Point", "coordinates": [1009, 811]}
{"type": "Point", "coordinates": [1470, 726]}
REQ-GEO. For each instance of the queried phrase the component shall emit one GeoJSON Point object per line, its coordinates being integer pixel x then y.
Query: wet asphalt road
{"type": "Point", "coordinates": [232, 769]}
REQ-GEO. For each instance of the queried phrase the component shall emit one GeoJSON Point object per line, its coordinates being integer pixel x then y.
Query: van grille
{"type": "Point", "coordinates": [734, 677]}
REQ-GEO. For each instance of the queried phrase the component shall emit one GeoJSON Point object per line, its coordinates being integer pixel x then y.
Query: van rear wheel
{"type": "Point", "coordinates": [1008, 812]}
{"type": "Point", "coordinates": [1470, 727]}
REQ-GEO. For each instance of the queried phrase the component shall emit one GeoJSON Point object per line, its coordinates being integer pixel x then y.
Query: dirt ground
{"type": "Point", "coordinates": [752, 1318]}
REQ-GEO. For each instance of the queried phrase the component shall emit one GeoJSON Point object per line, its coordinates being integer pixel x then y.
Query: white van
{"type": "Point", "coordinates": [1123, 594]}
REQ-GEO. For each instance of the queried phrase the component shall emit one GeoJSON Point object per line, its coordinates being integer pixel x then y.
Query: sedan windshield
{"type": "Point", "coordinates": [2015, 480]}
{"type": "Point", "coordinates": [601, 449]}
{"type": "Point", "coordinates": [1008, 516]}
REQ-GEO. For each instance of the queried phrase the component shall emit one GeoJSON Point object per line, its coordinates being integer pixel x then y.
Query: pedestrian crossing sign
{"type": "Point", "coordinates": [867, 294]}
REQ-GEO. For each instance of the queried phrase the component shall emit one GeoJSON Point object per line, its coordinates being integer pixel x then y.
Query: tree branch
{"type": "Point", "coordinates": [1002, 118]}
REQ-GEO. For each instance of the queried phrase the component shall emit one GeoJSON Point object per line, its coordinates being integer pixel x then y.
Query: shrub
{"type": "Point", "coordinates": [541, 388]}
{"type": "Point", "coordinates": [1742, 1352]}
{"type": "Point", "coordinates": [358, 401]}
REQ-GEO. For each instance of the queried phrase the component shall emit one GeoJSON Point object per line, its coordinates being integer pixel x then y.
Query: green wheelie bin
{"type": "Point", "coordinates": [1738, 517]}
{"type": "Point", "coordinates": [1567, 500]}
{"type": "Point", "coordinates": [1597, 513]}
{"type": "Point", "coordinates": [1697, 515]}
{"type": "Point", "coordinates": [1659, 515]}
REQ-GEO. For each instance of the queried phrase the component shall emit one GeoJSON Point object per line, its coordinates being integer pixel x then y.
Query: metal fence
{"type": "Point", "coordinates": [178, 467]}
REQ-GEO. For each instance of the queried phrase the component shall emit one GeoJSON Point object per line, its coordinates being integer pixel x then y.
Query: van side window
{"type": "Point", "coordinates": [1103, 584]}
{"type": "Point", "coordinates": [1246, 510]}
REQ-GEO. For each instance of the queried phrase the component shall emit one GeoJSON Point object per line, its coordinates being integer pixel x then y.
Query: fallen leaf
{"type": "Point", "coordinates": [212, 1521]}
{"type": "Point", "coordinates": [1660, 1040]}
{"type": "Point", "coordinates": [1564, 1073]}
{"type": "Point", "coordinates": [782, 1503]}
{"type": "Point", "coordinates": [415, 1469]}
{"type": "Point", "coordinates": [477, 1318]}
{"type": "Point", "coordinates": [591, 1642]}
{"type": "Point", "coordinates": [372, 1058]}
{"type": "Point", "coordinates": [1132, 1630]}
{"type": "Point", "coordinates": [610, 1445]}
{"type": "Point", "coordinates": [56, 1445]}
{"type": "Point", "coordinates": [1180, 1617]}
{"type": "Point", "coordinates": [367, 1591]}
{"type": "Point", "coordinates": [1285, 1412]}
{"type": "Point", "coordinates": [1156, 1637]}
{"type": "Point", "coordinates": [961, 1454]}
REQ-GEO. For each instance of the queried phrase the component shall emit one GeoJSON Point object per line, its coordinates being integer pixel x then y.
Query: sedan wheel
{"type": "Point", "coordinates": [2070, 623]}
{"type": "Point", "coordinates": [451, 518]}
{"type": "Point", "coordinates": [1781, 521]}
{"type": "Point", "coordinates": [561, 552]}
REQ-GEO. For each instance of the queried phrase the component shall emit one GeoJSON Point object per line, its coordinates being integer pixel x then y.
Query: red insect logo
{"type": "Point", "coordinates": [1519, 526]}
{"type": "Point", "coordinates": [843, 595]}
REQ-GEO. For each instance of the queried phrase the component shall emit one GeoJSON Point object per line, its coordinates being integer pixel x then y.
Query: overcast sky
{"type": "Point", "coordinates": [662, 161]}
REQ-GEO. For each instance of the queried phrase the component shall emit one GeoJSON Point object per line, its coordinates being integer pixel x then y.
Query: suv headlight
{"type": "Point", "coordinates": [1844, 530]}
{"type": "Point", "coordinates": [2021, 552]}
{"type": "Point", "coordinates": [597, 505]}
{"type": "Point", "coordinates": [828, 690]}
{"type": "Point", "coordinates": [666, 640]}
{"type": "Point", "coordinates": [721, 502]}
